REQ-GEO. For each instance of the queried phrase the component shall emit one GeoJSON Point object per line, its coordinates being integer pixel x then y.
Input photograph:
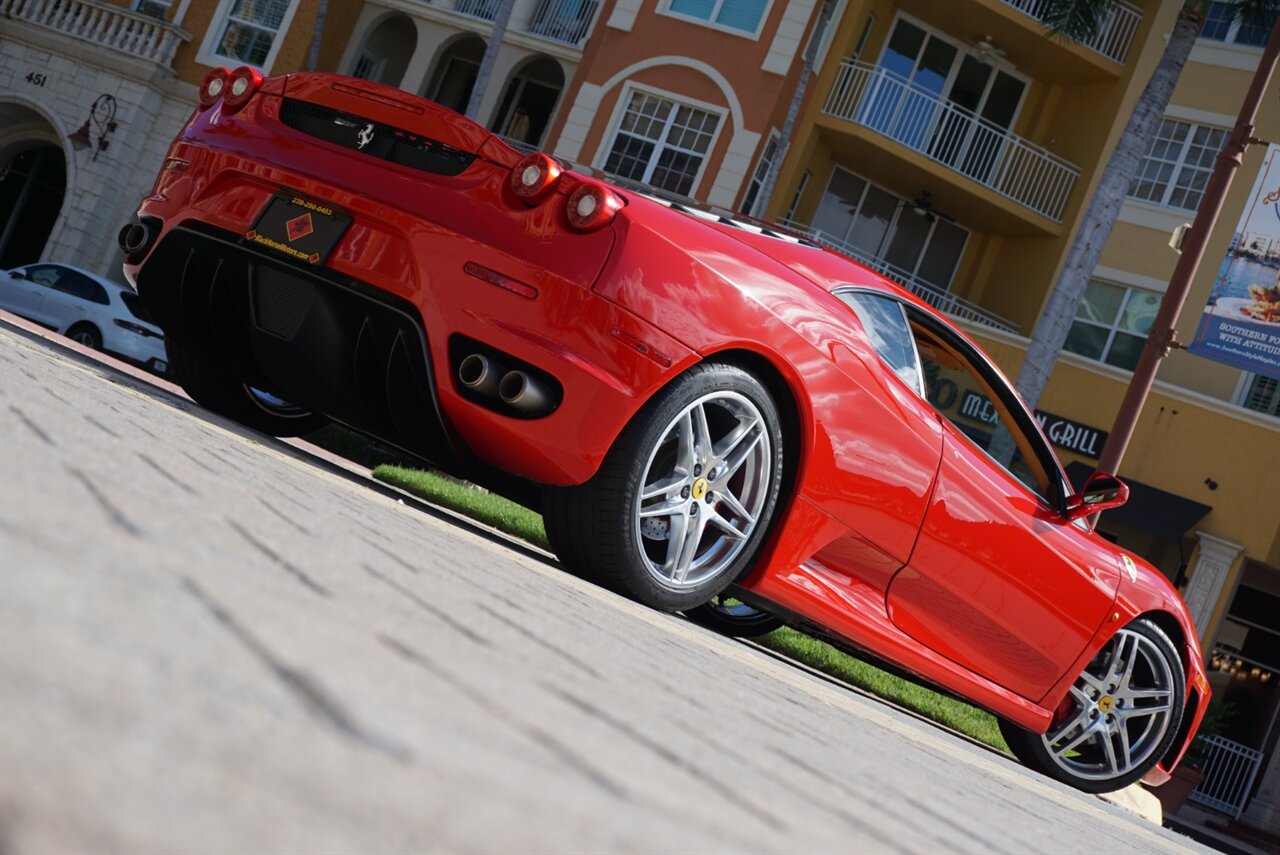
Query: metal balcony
{"type": "Point", "coordinates": [940, 299]}
{"type": "Point", "coordinates": [1115, 33]}
{"type": "Point", "coordinates": [945, 133]}
{"type": "Point", "coordinates": [110, 27]}
{"type": "Point", "coordinates": [485, 10]}
{"type": "Point", "coordinates": [566, 21]}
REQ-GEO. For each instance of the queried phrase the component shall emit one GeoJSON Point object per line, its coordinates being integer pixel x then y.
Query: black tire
{"type": "Point", "coordinates": [598, 529]}
{"type": "Point", "coordinates": [86, 334]}
{"type": "Point", "coordinates": [1086, 768]}
{"type": "Point", "coordinates": [214, 387]}
{"type": "Point", "coordinates": [735, 619]}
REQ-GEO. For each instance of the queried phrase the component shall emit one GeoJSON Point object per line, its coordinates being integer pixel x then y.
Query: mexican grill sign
{"type": "Point", "coordinates": [1062, 432]}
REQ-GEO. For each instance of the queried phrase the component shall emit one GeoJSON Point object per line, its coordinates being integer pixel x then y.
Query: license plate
{"type": "Point", "coordinates": [298, 228]}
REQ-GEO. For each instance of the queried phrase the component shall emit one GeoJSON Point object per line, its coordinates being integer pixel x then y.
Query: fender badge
{"type": "Point", "coordinates": [1130, 568]}
{"type": "Point", "coordinates": [365, 136]}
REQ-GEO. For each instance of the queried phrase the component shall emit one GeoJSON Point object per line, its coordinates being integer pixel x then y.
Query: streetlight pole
{"type": "Point", "coordinates": [1163, 333]}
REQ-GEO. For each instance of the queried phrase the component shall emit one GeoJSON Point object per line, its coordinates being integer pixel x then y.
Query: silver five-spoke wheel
{"type": "Point", "coordinates": [705, 484]}
{"type": "Point", "coordinates": [1118, 719]}
{"type": "Point", "coordinates": [681, 506]}
{"type": "Point", "coordinates": [1121, 706]}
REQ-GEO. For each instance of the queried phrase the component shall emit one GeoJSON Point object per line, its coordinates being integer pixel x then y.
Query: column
{"type": "Point", "coordinates": [1264, 811]}
{"type": "Point", "coordinates": [1208, 577]}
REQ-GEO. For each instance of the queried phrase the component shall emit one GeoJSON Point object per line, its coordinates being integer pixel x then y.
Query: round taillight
{"type": "Point", "coordinates": [592, 206]}
{"type": "Point", "coordinates": [212, 87]}
{"type": "Point", "coordinates": [240, 86]}
{"type": "Point", "coordinates": [534, 177]}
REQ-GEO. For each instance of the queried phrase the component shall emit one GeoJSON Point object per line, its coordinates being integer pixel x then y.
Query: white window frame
{"type": "Point", "coordinates": [136, 6]}
{"type": "Point", "coordinates": [376, 63]}
{"type": "Point", "coordinates": [208, 53]}
{"type": "Point", "coordinates": [1179, 165]}
{"type": "Point", "coordinates": [758, 175]}
{"type": "Point", "coordinates": [962, 50]}
{"type": "Point", "coordinates": [796, 197]}
{"type": "Point", "coordinates": [902, 204]}
{"type": "Point", "coordinates": [1233, 32]}
{"type": "Point", "coordinates": [1112, 327]}
{"type": "Point", "coordinates": [1245, 386]}
{"type": "Point", "coordinates": [664, 8]}
{"type": "Point", "coordinates": [620, 110]}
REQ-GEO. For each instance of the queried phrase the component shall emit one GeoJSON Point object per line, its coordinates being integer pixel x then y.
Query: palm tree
{"type": "Point", "coordinates": [788, 125]}
{"type": "Point", "coordinates": [313, 52]}
{"type": "Point", "coordinates": [1080, 20]}
{"type": "Point", "coordinates": [490, 57]}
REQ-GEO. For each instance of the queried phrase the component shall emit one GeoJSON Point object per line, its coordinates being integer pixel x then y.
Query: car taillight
{"type": "Point", "coordinates": [592, 206]}
{"type": "Point", "coordinates": [212, 87]}
{"type": "Point", "coordinates": [137, 329]}
{"type": "Point", "coordinates": [241, 85]}
{"type": "Point", "coordinates": [534, 177]}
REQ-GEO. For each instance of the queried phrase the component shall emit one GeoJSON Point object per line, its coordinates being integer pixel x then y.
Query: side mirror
{"type": "Point", "coordinates": [17, 274]}
{"type": "Point", "coordinates": [1101, 492]}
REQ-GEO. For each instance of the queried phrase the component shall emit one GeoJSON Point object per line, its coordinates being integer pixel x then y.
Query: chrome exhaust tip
{"type": "Point", "coordinates": [480, 374]}
{"type": "Point", "coordinates": [134, 237]}
{"type": "Point", "coordinates": [524, 393]}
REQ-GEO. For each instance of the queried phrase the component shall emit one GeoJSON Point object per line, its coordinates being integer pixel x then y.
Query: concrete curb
{"type": "Point", "coordinates": [1136, 799]}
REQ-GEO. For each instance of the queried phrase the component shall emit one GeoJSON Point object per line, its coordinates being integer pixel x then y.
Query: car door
{"type": "Point", "coordinates": [1000, 581]}
{"type": "Point", "coordinates": [76, 297]}
{"type": "Point", "coordinates": [25, 296]}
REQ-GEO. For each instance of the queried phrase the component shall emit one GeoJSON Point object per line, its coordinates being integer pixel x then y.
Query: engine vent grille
{"type": "Point", "coordinates": [374, 138]}
{"type": "Point", "coordinates": [281, 302]}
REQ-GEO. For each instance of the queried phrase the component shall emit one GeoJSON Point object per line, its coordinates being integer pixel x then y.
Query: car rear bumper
{"type": "Point", "coordinates": [388, 365]}
{"type": "Point", "coordinates": [147, 352]}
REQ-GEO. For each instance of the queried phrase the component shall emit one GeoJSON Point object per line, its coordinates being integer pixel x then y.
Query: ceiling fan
{"type": "Point", "coordinates": [986, 50]}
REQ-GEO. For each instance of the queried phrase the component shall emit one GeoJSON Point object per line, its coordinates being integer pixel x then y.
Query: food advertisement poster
{"type": "Point", "coordinates": [1241, 323]}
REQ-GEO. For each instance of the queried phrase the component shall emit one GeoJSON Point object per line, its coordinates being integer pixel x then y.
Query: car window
{"type": "Point", "coordinates": [44, 274]}
{"type": "Point", "coordinates": [886, 326]}
{"type": "Point", "coordinates": [981, 406]}
{"type": "Point", "coordinates": [78, 285]}
{"type": "Point", "coordinates": [134, 304]}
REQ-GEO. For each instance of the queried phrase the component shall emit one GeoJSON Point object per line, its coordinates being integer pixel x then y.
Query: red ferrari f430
{"type": "Point", "coordinates": [714, 417]}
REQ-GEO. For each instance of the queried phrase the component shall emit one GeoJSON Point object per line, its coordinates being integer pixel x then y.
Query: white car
{"type": "Point", "coordinates": [87, 308]}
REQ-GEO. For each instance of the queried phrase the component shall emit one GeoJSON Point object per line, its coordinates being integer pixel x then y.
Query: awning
{"type": "Point", "coordinates": [1149, 510]}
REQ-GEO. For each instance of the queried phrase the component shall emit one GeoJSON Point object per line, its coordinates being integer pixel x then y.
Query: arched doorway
{"type": "Point", "coordinates": [455, 73]}
{"type": "Point", "coordinates": [33, 184]}
{"type": "Point", "coordinates": [386, 51]}
{"type": "Point", "coordinates": [529, 101]}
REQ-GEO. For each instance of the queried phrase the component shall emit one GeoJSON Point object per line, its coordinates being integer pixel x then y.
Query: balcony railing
{"type": "Point", "coordinates": [105, 26]}
{"type": "Point", "coordinates": [951, 135]}
{"type": "Point", "coordinates": [1229, 770]}
{"type": "Point", "coordinates": [564, 20]}
{"type": "Point", "coordinates": [485, 10]}
{"type": "Point", "coordinates": [1115, 32]}
{"type": "Point", "coordinates": [940, 299]}
{"type": "Point", "coordinates": [519, 145]}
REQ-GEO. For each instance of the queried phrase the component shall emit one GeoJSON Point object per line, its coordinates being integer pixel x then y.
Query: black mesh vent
{"type": "Point", "coordinates": [281, 302]}
{"type": "Point", "coordinates": [384, 141]}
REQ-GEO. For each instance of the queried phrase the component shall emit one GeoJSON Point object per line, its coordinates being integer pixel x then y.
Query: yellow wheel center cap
{"type": "Point", "coordinates": [699, 488]}
{"type": "Point", "coordinates": [1106, 704]}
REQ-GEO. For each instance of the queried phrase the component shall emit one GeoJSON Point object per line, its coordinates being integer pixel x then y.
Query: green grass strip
{"type": "Point", "coordinates": [488, 508]}
{"type": "Point", "coordinates": [944, 709]}
{"type": "Point", "coordinates": [523, 523]}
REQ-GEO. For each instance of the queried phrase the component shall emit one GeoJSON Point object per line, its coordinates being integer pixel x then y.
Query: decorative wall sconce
{"type": "Point", "coordinates": [103, 116]}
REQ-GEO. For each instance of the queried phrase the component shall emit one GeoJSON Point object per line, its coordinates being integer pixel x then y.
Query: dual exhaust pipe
{"type": "Point", "coordinates": [518, 389]}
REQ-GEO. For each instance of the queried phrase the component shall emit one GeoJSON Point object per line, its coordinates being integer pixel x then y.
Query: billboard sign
{"type": "Point", "coordinates": [1241, 323]}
